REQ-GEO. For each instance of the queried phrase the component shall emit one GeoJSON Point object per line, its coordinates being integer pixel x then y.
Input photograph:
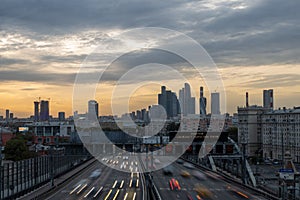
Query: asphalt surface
{"type": "Point", "coordinates": [210, 185]}
{"type": "Point", "coordinates": [113, 184]}
{"type": "Point", "coordinates": [108, 185]}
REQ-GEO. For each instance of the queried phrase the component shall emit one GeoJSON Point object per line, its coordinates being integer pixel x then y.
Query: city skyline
{"type": "Point", "coordinates": [93, 107]}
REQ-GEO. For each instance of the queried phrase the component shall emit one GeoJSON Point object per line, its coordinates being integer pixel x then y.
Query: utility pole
{"type": "Point", "coordinates": [1, 178]}
{"type": "Point", "coordinates": [244, 163]}
{"type": "Point", "coordinates": [244, 143]}
{"type": "Point", "coordinates": [0, 147]}
{"type": "Point", "coordinates": [282, 149]}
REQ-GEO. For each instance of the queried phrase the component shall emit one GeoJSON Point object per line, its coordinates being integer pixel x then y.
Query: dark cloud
{"type": "Point", "coordinates": [37, 76]}
{"type": "Point", "coordinates": [29, 89]}
{"type": "Point", "coordinates": [12, 61]}
{"type": "Point", "coordinates": [63, 16]}
{"type": "Point", "coordinates": [63, 59]}
{"type": "Point", "coordinates": [274, 81]}
{"type": "Point", "coordinates": [260, 33]}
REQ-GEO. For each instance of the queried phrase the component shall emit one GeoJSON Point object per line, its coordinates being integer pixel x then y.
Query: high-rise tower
{"type": "Point", "coordinates": [187, 102]}
{"type": "Point", "coordinates": [202, 102]}
{"type": "Point", "coordinates": [44, 110]}
{"type": "Point", "coordinates": [215, 103]}
{"type": "Point", "coordinates": [36, 111]}
{"type": "Point", "coordinates": [268, 99]}
{"type": "Point", "coordinates": [93, 109]}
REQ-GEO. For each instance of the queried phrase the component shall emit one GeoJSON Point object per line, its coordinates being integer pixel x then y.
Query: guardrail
{"type": "Point", "coordinates": [153, 189]}
{"type": "Point", "coordinates": [231, 180]}
{"type": "Point", "coordinates": [21, 177]}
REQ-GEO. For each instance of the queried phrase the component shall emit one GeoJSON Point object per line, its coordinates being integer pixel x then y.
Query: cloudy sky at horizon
{"type": "Point", "coordinates": [255, 44]}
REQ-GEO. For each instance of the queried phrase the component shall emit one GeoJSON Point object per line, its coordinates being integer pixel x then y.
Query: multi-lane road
{"type": "Point", "coordinates": [99, 181]}
{"type": "Point", "coordinates": [185, 181]}
{"type": "Point", "coordinates": [197, 184]}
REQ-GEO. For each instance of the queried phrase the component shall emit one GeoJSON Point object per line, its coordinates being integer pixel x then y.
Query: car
{"type": "Point", "coordinates": [180, 161]}
{"type": "Point", "coordinates": [95, 174]}
{"type": "Point", "coordinates": [193, 197]}
{"type": "Point", "coordinates": [174, 184]}
{"type": "Point", "coordinates": [203, 192]}
{"type": "Point", "coordinates": [268, 162]}
{"type": "Point", "coordinates": [168, 170]}
{"type": "Point", "coordinates": [188, 165]}
{"type": "Point", "coordinates": [199, 175]}
{"type": "Point", "coordinates": [185, 174]}
{"type": "Point", "coordinates": [276, 162]}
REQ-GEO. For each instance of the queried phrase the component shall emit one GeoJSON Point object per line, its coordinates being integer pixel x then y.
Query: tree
{"type": "Point", "coordinates": [16, 149]}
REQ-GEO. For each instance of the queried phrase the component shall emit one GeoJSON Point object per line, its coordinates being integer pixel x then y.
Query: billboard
{"type": "Point", "coordinates": [151, 140]}
{"type": "Point", "coordinates": [23, 129]}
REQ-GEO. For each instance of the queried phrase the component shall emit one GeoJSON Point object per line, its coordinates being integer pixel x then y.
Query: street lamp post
{"type": "Point", "coordinates": [52, 158]}
{"type": "Point", "coordinates": [244, 143]}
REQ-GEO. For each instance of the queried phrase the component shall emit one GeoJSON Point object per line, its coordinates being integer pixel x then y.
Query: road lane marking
{"type": "Point", "coordinates": [137, 183]}
{"type": "Point", "coordinates": [115, 183]}
{"type": "Point", "coordinates": [116, 195]}
{"type": "Point", "coordinates": [134, 195]}
{"type": "Point", "coordinates": [78, 186]}
{"type": "Point", "coordinates": [98, 192]}
{"type": "Point", "coordinates": [87, 194]}
{"type": "Point", "coordinates": [82, 188]}
{"type": "Point", "coordinates": [130, 184]}
{"type": "Point", "coordinates": [107, 196]}
{"type": "Point", "coordinates": [125, 197]}
{"type": "Point", "coordinates": [121, 186]}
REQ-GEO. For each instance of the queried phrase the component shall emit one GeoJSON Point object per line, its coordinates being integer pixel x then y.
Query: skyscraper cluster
{"type": "Point", "coordinates": [185, 104]}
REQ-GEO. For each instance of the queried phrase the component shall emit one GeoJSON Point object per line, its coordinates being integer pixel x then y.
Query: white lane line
{"type": "Point", "coordinates": [98, 192]}
{"type": "Point", "coordinates": [121, 186]}
{"type": "Point", "coordinates": [134, 195]}
{"type": "Point", "coordinates": [125, 197]}
{"type": "Point", "coordinates": [78, 186]}
{"type": "Point", "coordinates": [116, 195]}
{"type": "Point", "coordinates": [87, 194]}
{"type": "Point", "coordinates": [107, 196]}
{"type": "Point", "coordinates": [115, 183]}
{"type": "Point", "coordinates": [82, 188]}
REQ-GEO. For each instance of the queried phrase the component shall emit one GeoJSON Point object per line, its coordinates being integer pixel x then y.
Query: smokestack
{"type": "Point", "coordinates": [247, 99]}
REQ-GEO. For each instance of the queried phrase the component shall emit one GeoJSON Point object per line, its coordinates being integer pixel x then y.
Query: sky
{"type": "Point", "coordinates": [255, 45]}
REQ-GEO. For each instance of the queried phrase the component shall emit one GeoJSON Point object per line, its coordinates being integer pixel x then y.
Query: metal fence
{"type": "Point", "coordinates": [21, 177]}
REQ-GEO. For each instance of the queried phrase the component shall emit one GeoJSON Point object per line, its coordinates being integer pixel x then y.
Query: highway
{"type": "Point", "coordinates": [208, 185]}
{"type": "Point", "coordinates": [99, 181]}
{"type": "Point", "coordinates": [102, 182]}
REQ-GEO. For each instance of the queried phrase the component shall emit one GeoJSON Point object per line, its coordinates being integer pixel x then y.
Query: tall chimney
{"type": "Point", "coordinates": [247, 99]}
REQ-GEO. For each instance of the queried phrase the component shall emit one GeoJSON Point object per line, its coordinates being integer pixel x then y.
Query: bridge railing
{"type": "Point", "coordinates": [21, 177]}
